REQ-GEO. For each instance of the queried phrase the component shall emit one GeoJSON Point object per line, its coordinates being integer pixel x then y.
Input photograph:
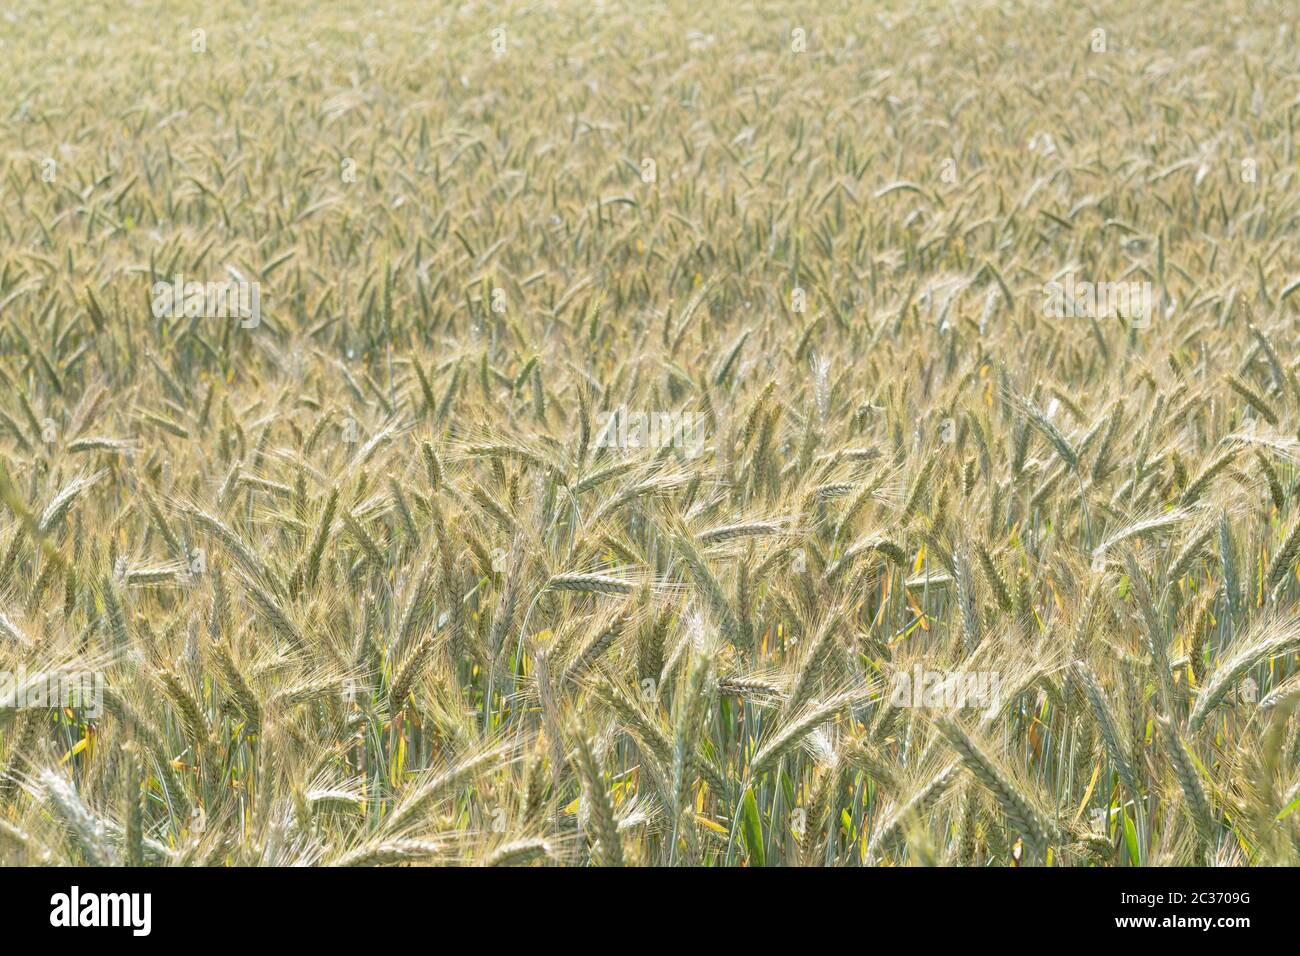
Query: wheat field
{"type": "Point", "coordinates": [842, 434]}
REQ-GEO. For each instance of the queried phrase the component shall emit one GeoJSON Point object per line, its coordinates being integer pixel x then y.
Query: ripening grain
{"type": "Point", "coordinates": [645, 434]}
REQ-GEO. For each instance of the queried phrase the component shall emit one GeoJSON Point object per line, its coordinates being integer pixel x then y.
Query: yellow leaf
{"type": "Point", "coordinates": [1087, 795]}
{"type": "Point", "coordinates": [916, 609]}
{"type": "Point", "coordinates": [77, 748]}
{"type": "Point", "coordinates": [710, 824]}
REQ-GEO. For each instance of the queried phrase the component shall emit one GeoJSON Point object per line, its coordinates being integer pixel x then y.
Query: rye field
{"type": "Point", "coordinates": [649, 434]}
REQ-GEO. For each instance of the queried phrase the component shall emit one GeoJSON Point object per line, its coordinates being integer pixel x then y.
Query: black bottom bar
{"type": "Point", "coordinates": [269, 908]}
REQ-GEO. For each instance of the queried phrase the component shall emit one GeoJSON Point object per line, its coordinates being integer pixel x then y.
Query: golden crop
{"type": "Point", "coordinates": [644, 433]}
